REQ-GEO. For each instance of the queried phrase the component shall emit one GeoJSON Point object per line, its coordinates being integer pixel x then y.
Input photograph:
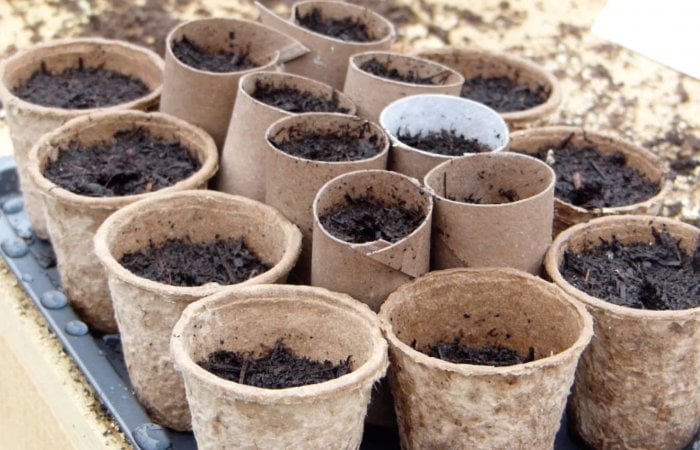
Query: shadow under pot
{"type": "Point", "coordinates": [164, 253]}
{"type": "Point", "coordinates": [482, 358]}
{"type": "Point", "coordinates": [638, 383]}
{"type": "Point", "coordinates": [429, 129]}
{"type": "Point", "coordinates": [47, 85]}
{"type": "Point", "coordinates": [94, 165]}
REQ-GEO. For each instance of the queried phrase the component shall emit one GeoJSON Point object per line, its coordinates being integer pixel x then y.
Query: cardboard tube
{"type": "Point", "coordinates": [492, 234]}
{"type": "Point", "coordinates": [28, 121]}
{"type": "Point", "coordinates": [73, 219]}
{"type": "Point", "coordinates": [372, 93]}
{"type": "Point", "coordinates": [243, 157]}
{"type": "Point", "coordinates": [206, 98]}
{"type": "Point", "coordinates": [313, 322]}
{"type": "Point", "coordinates": [147, 310]}
{"type": "Point", "coordinates": [440, 404]}
{"type": "Point", "coordinates": [638, 383]}
{"type": "Point", "coordinates": [327, 60]}
{"type": "Point", "coordinates": [433, 112]}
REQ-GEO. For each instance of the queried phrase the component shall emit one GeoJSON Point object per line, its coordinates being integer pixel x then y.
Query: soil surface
{"type": "Point", "coordinates": [180, 262]}
{"type": "Point", "coordinates": [443, 142]}
{"type": "Point", "coordinates": [333, 146]}
{"type": "Point", "coordinates": [294, 100]}
{"type": "Point", "coordinates": [80, 87]}
{"type": "Point", "coordinates": [366, 219]}
{"type": "Point", "coordinates": [133, 162]}
{"type": "Point", "coordinates": [498, 198]}
{"type": "Point", "coordinates": [222, 61]}
{"type": "Point", "coordinates": [278, 368]}
{"type": "Point", "coordinates": [496, 355]}
{"type": "Point", "coordinates": [346, 29]}
{"type": "Point", "coordinates": [503, 94]}
{"type": "Point", "coordinates": [658, 275]}
{"type": "Point", "coordinates": [384, 70]}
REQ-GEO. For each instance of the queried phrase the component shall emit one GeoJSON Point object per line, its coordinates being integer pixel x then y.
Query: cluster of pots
{"type": "Point", "coordinates": [635, 375]}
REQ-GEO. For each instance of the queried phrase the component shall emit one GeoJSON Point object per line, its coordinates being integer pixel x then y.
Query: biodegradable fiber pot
{"type": "Point", "coordinates": [313, 322]}
{"type": "Point", "coordinates": [28, 121]}
{"type": "Point", "coordinates": [242, 159]}
{"type": "Point", "coordinates": [328, 57]}
{"type": "Point", "coordinates": [440, 404]}
{"type": "Point", "coordinates": [495, 232]}
{"type": "Point", "coordinates": [432, 112]}
{"type": "Point", "coordinates": [73, 219]}
{"type": "Point", "coordinates": [638, 383]}
{"type": "Point", "coordinates": [147, 310]}
{"type": "Point", "coordinates": [206, 98]}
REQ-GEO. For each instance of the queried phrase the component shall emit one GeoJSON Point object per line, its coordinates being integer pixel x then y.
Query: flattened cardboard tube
{"type": "Point", "coordinates": [638, 383]}
{"type": "Point", "coordinates": [328, 56]}
{"type": "Point", "coordinates": [492, 210]}
{"type": "Point", "coordinates": [28, 121]}
{"type": "Point", "coordinates": [313, 322]}
{"type": "Point", "coordinates": [206, 98]}
{"type": "Point", "coordinates": [292, 181]}
{"type": "Point", "coordinates": [243, 157]}
{"type": "Point", "coordinates": [372, 93]}
{"type": "Point", "coordinates": [478, 308]}
{"type": "Point", "coordinates": [427, 113]}
{"type": "Point", "coordinates": [147, 310]}
{"type": "Point", "coordinates": [73, 219]}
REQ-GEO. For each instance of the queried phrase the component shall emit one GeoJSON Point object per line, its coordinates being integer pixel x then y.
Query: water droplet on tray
{"type": "Point", "coordinates": [150, 436]}
{"type": "Point", "coordinates": [54, 299]}
{"type": "Point", "coordinates": [77, 328]}
{"type": "Point", "coordinates": [13, 205]}
{"type": "Point", "coordinates": [14, 248]}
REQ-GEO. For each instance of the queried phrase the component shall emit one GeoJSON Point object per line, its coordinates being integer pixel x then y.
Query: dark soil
{"type": "Point", "coordinates": [366, 219]}
{"type": "Point", "coordinates": [657, 276]}
{"type": "Point", "coordinates": [502, 196]}
{"type": "Point", "coordinates": [278, 368]}
{"type": "Point", "coordinates": [442, 142]}
{"type": "Point", "coordinates": [294, 100]}
{"type": "Point", "coordinates": [684, 166]}
{"type": "Point", "coordinates": [222, 61]}
{"type": "Point", "coordinates": [180, 262]}
{"type": "Point", "coordinates": [133, 162]}
{"type": "Point", "coordinates": [80, 87]}
{"type": "Point", "coordinates": [347, 144]}
{"type": "Point", "coordinates": [347, 29]}
{"type": "Point", "coordinates": [496, 355]}
{"type": "Point", "coordinates": [384, 70]}
{"type": "Point", "coordinates": [503, 94]}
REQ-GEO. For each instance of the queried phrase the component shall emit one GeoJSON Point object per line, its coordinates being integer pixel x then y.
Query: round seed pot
{"type": "Point", "coordinates": [206, 98]}
{"type": "Point", "coordinates": [147, 310]}
{"type": "Point", "coordinates": [328, 57]}
{"type": "Point", "coordinates": [491, 233]}
{"type": "Point", "coordinates": [313, 322]}
{"type": "Point", "coordinates": [73, 219]}
{"type": "Point", "coordinates": [372, 93]}
{"type": "Point", "coordinates": [432, 112]}
{"type": "Point", "coordinates": [638, 383]}
{"type": "Point", "coordinates": [440, 404]}
{"type": "Point", "coordinates": [29, 121]}
{"type": "Point", "coordinates": [242, 160]}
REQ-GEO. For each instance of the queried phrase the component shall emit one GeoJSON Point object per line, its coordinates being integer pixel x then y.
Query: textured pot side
{"type": "Point", "coordinates": [638, 383]}
{"type": "Point", "coordinates": [28, 122]}
{"type": "Point", "coordinates": [73, 219]}
{"type": "Point", "coordinates": [314, 322]}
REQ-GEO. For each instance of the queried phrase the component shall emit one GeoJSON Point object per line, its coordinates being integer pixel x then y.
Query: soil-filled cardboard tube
{"type": "Point", "coordinates": [492, 210]}
{"type": "Point", "coordinates": [638, 383]}
{"type": "Point", "coordinates": [312, 322]}
{"type": "Point", "coordinates": [243, 157]}
{"type": "Point", "coordinates": [147, 310]}
{"type": "Point", "coordinates": [73, 219]}
{"type": "Point", "coordinates": [441, 404]}
{"type": "Point", "coordinates": [292, 182]}
{"type": "Point", "coordinates": [29, 121]}
{"type": "Point", "coordinates": [566, 214]}
{"type": "Point", "coordinates": [372, 93]}
{"type": "Point", "coordinates": [328, 57]}
{"type": "Point", "coordinates": [433, 112]}
{"type": "Point", "coordinates": [206, 98]}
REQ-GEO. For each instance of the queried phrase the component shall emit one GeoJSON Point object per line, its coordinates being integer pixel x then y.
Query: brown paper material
{"type": "Point", "coordinates": [147, 310]}
{"type": "Point", "coordinates": [73, 219]}
{"type": "Point", "coordinates": [313, 322]}
{"type": "Point", "coordinates": [433, 112]}
{"type": "Point", "coordinates": [327, 60]}
{"type": "Point", "coordinates": [206, 98]}
{"type": "Point", "coordinates": [515, 234]}
{"type": "Point", "coordinates": [566, 214]}
{"type": "Point", "coordinates": [243, 157]}
{"type": "Point", "coordinates": [638, 383]}
{"type": "Point", "coordinates": [28, 122]}
{"type": "Point", "coordinates": [292, 182]}
{"type": "Point", "coordinates": [372, 93]}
